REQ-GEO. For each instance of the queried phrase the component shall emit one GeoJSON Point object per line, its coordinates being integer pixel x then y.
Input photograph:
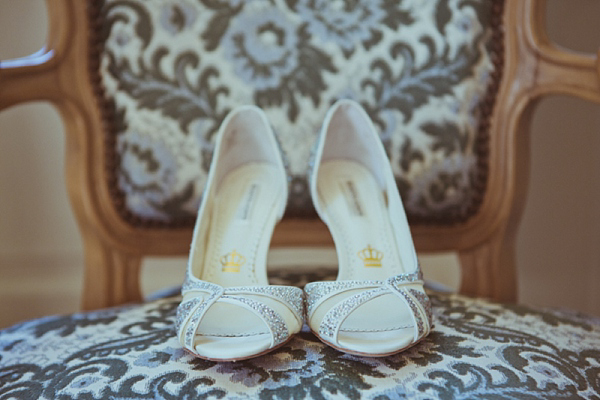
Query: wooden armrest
{"type": "Point", "coordinates": [550, 68]}
{"type": "Point", "coordinates": [28, 79]}
{"type": "Point", "coordinates": [37, 76]}
{"type": "Point", "coordinates": [562, 71]}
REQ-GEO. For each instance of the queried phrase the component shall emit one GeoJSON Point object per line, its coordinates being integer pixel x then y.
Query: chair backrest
{"type": "Point", "coordinates": [142, 88]}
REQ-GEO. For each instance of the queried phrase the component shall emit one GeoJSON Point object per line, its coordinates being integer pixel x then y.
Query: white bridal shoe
{"type": "Point", "coordinates": [229, 311]}
{"type": "Point", "coordinates": [377, 305]}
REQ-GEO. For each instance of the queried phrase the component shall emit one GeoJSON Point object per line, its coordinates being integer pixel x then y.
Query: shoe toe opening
{"type": "Point", "coordinates": [382, 325]}
{"type": "Point", "coordinates": [229, 331]}
{"type": "Point", "coordinates": [376, 343]}
{"type": "Point", "coordinates": [231, 348]}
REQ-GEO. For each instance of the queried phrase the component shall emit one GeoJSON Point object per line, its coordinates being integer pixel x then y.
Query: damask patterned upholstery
{"type": "Point", "coordinates": [477, 349]}
{"type": "Point", "coordinates": [426, 72]}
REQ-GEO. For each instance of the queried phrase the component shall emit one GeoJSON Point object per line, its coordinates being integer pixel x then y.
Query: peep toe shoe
{"type": "Point", "coordinates": [229, 311]}
{"type": "Point", "coordinates": [377, 305]}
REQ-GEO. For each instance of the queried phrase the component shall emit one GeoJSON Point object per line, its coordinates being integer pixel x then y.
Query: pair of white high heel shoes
{"type": "Point", "coordinates": [377, 305]}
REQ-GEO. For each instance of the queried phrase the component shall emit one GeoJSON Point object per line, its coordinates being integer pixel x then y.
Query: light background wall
{"type": "Point", "coordinates": [558, 251]}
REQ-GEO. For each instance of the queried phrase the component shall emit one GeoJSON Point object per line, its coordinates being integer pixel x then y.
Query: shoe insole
{"type": "Point", "coordinates": [244, 214]}
{"type": "Point", "coordinates": [356, 210]}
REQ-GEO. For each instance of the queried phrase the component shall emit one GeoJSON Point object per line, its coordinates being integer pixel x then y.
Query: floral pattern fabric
{"type": "Point", "coordinates": [172, 70]}
{"type": "Point", "coordinates": [477, 349]}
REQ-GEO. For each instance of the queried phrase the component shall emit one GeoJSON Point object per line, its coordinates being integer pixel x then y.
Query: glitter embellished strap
{"type": "Point", "coordinates": [417, 301]}
{"type": "Point", "coordinates": [273, 320]}
{"type": "Point", "coordinates": [418, 305]}
{"type": "Point", "coordinates": [318, 292]}
{"type": "Point", "coordinates": [333, 320]}
{"type": "Point", "coordinates": [191, 311]}
{"type": "Point", "coordinates": [292, 297]}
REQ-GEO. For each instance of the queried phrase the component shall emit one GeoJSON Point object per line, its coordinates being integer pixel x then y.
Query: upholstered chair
{"type": "Point", "coordinates": [142, 87]}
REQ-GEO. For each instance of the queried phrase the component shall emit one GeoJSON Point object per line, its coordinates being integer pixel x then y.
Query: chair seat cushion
{"type": "Point", "coordinates": [478, 349]}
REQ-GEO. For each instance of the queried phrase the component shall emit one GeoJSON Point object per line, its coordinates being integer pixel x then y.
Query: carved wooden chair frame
{"type": "Point", "coordinates": [533, 67]}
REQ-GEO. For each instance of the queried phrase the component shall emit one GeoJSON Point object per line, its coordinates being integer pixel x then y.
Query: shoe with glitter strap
{"type": "Point", "coordinates": [229, 311]}
{"type": "Point", "coordinates": [377, 305]}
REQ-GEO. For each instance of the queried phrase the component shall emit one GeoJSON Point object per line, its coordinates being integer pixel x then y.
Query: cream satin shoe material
{"type": "Point", "coordinates": [229, 311]}
{"type": "Point", "coordinates": [377, 305]}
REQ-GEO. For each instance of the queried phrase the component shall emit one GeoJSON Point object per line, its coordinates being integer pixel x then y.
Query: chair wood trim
{"type": "Point", "coordinates": [111, 277]}
{"type": "Point", "coordinates": [28, 79]}
{"type": "Point", "coordinates": [60, 75]}
{"type": "Point", "coordinates": [34, 77]}
{"type": "Point", "coordinates": [558, 70]}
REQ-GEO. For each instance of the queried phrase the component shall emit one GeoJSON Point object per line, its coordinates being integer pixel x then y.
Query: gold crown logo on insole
{"type": "Point", "coordinates": [371, 257]}
{"type": "Point", "coordinates": [232, 261]}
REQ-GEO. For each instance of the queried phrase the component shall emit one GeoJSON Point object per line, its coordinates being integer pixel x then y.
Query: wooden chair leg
{"type": "Point", "coordinates": [489, 269]}
{"type": "Point", "coordinates": [111, 276]}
